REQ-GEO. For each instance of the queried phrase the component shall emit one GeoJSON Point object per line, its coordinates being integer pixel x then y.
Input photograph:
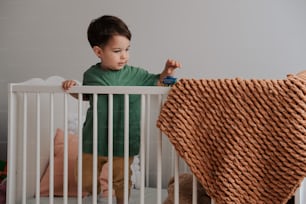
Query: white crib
{"type": "Point", "coordinates": [38, 107]}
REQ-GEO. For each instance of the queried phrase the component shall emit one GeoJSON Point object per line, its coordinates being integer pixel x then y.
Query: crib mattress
{"type": "Point", "coordinates": [150, 197]}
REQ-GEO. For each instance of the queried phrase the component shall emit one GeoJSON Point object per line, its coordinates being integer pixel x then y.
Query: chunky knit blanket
{"type": "Point", "coordinates": [245, 140]}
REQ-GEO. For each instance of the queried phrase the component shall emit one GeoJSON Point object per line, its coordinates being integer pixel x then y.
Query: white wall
{"type": "Point", "coordinates": [212, 38]}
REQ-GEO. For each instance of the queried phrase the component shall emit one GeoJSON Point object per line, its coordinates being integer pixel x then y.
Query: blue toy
{"type": "Point", "coordinates": [169, 80]}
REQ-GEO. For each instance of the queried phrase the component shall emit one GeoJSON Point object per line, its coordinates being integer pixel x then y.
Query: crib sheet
{"type": "Point", "coordinates": [150, 195]}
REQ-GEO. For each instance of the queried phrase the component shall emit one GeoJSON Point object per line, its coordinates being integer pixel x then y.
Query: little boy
{"type": "Point", "coordinates": [110, 38]}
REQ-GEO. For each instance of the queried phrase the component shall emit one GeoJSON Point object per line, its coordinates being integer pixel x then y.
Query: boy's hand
{"type": "Point", "coordinates": [170, 66]}
{"type": "Point", "coordinates": [66, 85]}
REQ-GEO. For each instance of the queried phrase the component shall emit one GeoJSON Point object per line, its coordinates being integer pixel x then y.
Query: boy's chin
{"type": "Point", "coordinates": [117, 68]}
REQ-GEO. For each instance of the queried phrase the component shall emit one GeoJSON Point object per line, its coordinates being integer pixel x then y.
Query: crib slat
{"type": "Point", "coordinates": [126, 147]}
{"type": "Point", "coordinates": [159, 158]}
{"type": "Point", "coordinates": [95, 148]}
{"type": "Point", "coordinates": [51, 158]}
{"type": "Point", "coordinates": [24, 143]}
{"type": "Point", "coordinates": [65, 148]}
{"type": "Point", "coordinates": [80, 147]}
{"type": "Point", "coordinates": [147, 143]}
{"type": "Point", "coordinates": [142, 148]}
{"type": "Point", "coordinates": [37, 148]}
{"type": "Point", "coordinates": [110, 147]}
{"type": "Point", "coordinates": [176, 179]}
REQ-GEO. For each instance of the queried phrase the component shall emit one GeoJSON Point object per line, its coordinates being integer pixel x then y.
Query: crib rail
{"type": "Point", "coordinates": [38, 92]}
{"type": "Point", "coordinates": [146, 90]}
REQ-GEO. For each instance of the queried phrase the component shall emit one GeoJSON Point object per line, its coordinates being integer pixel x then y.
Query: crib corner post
{"type": "Point", "coordinates": [11, 175]}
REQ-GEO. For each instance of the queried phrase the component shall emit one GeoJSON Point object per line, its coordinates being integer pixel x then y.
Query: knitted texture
{"type": "Point", "coordinates": [245, 140]}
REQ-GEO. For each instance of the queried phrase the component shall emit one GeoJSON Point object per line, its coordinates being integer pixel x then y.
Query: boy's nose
{"type": "Point", "coordinates": [124, 55]}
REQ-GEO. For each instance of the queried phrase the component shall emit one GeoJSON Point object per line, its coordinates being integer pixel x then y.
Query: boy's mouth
{"type": "Point", "coordinates": [122, 63]}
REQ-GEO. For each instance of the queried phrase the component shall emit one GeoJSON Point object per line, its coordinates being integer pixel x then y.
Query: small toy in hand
{"type": "Point", "coordinates": [169, 80]}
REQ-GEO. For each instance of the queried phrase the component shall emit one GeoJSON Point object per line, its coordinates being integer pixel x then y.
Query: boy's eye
{"type": "Point", "coordinates": [118, 51]}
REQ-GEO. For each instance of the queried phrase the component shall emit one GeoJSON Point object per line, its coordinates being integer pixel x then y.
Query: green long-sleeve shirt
{"type": "Point", "coordinates": [127, 76]}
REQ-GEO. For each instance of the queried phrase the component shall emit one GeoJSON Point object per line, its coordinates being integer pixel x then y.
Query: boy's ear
{"type": "Point", "coordinates": [98, 51]}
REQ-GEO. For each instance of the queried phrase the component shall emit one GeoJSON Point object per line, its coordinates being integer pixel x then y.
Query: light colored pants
{"type": "Point", "coordinates": [118, 174]}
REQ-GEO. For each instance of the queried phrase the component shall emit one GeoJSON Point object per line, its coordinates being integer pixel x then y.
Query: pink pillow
{"type": "Point", "coordinates": [59, 166]}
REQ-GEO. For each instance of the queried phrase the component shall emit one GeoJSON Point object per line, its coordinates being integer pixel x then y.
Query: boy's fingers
{"type": "Point", "coordinates": [173, 63]}
{"type": "Point", "coordinates": [68, 84]}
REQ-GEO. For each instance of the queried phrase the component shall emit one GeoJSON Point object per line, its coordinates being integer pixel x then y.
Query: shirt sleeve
{"type": "Point", "coordinates": [144, 78]}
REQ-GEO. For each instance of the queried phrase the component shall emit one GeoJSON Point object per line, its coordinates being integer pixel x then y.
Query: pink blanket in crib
{"type": "Point", "coordinates": [245, 140]}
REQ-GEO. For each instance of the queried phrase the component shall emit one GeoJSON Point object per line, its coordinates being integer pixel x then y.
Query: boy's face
{"type": "Point", "coordinates": [115, 54]}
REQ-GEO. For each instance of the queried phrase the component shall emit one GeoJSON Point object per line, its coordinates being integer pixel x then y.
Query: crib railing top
{"type": "Point", "coordinates": [90, 89]}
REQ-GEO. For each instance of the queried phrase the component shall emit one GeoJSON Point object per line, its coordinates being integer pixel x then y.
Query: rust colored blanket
{"type": "Point", "coordinates": [245, 140]}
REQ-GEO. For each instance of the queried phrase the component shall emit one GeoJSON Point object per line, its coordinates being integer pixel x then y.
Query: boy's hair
{"type": "Point", "coordinates": [100, 30]}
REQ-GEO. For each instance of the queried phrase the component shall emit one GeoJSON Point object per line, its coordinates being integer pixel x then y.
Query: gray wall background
{"type": "Point", "coordinates": [212, 39]}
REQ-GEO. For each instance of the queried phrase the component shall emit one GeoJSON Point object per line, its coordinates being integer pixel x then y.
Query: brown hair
{"type": "Point", "coordinates": [100, 30]}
